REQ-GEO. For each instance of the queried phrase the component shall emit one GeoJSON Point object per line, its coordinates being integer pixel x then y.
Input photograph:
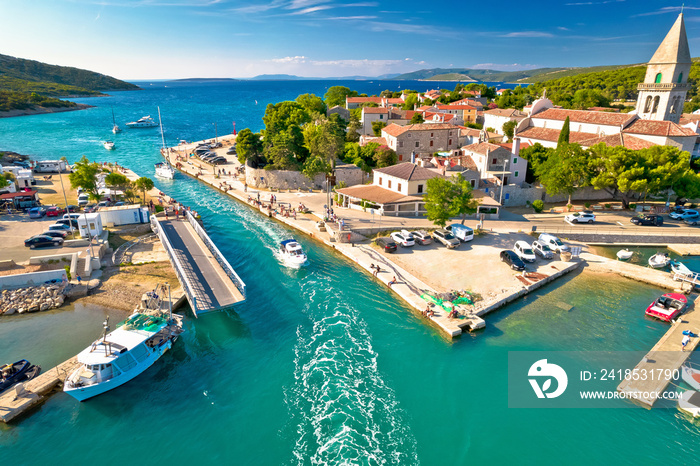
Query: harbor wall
{"type": "Point", "coordinates": [31, 279]}
{"type": "Point", "coordinates": [517, 196]}
{"type": "Point", "coordinates": [290, 179]}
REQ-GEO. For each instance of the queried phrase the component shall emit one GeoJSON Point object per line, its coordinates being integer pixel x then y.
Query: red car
{"type": "Point", "coordinates": [55, 211]}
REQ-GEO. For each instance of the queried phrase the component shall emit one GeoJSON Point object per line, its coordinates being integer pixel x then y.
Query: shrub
{"type": "Point", "coordinates": [569, 207]}
{"type": "Point", "coordinates": [693, 205]}
{"type": "Point", "coordinates": [538, 205]}
{"type": "Point", "coordinates": [67, 267]}
{"type": "Point", "coordinates": [159, 208]}
{"type": "Point", "coordinates": [587, 205]}
{"type": "Point", "coordinates": [607, 206]}
{"type": "Point", "coordinates": [633, 206]}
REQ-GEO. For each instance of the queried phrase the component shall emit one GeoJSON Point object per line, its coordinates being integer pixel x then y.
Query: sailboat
{"type": "Point", "coordinates": [164, 169]}
{"type": "Point", "coordinates": [115, 128]}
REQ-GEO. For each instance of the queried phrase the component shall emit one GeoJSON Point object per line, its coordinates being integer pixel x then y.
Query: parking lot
{"type": "Point", "coordinates": [474, 265]}
{"type": "Point", "coordinates": [16, 228]}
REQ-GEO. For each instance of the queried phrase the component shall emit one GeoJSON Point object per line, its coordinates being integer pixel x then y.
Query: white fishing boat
{"type": "Point", "coordinates": [691, 376]}
{"type": "Point", "coordinates": [109, 145]}
{"type": "Point", "coordinates": [115, 128]}
{"type": "Point", "coordinates": [689, 401]}
{"type": "Point", "coordinates": [121, 355]}
{"type": "Point", "coordinates": [164, 169]}
{"type": "Point", "coordinates": [292, 254]}
{"type": "Point", "coordinates": [659, 260]}
{"type": "Point", "coordinates": [143, 122]}
{"type": "Point", "coordinates": [624, 254]}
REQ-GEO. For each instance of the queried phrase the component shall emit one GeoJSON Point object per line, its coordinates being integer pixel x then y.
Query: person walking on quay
{"type": "Point", "coordinates": [245, 187]}
{"type": "Point", "coordinates": [80, 279]}
{"type": "Point", "coordinates": [684, 342]}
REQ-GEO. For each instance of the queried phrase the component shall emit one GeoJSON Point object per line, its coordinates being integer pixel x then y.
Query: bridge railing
{"type": "Point", "coordinates": [217, 254]}
{"type": "Point", "coordinates": [177, 265]}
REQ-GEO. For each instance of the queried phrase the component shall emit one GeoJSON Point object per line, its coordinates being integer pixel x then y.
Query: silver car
{"type": "Point", "coordinates": [446, 238]}
{"type": "Point", "coordinates": [542, 250]}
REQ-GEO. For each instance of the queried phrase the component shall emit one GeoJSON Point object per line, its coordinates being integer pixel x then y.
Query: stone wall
{"type": "Point", "coordinates": [288, 179]}
{"type": "Point", "coordinates": [32, 299]}
{"type": "Point", "coordinates": [521, 196]}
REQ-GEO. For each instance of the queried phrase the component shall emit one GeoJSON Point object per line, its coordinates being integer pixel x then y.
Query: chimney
{"type": "Point", "coordinates": [516, 146]}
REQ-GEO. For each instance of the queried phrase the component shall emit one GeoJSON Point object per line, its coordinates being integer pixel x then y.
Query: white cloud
{"type": "Point", "coordinates": [666, 9]}
{"type": "Point", "coordinates": [297, 59]}
{"type": "Point", "coordinates": [562, 28]}
{"type": "Point", "coordinates": [528, 34]}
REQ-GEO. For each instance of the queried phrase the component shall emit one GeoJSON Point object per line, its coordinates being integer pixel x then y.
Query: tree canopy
{"type": "Point", "coordinates": [84, 175]}
{"type": "Point", "coordinates": [445, 199]}
{"type": "Point", "coordinates": [336, 95]}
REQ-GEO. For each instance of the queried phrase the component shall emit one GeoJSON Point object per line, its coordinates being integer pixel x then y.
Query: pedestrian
{"type": "Point", "coordinates": [177, 214]}
{"type": "Point", "coordinates": [245, 187]}
{"type": "Point", "coordinates": [684, 343]}
{"type": "Point", "coordinates": [392, 282]}
{"type": "Point", "coordinates": [166, 214]}
{"type": "Point", "coordinates": [80, 280]}
{"type": "Point", "coordinates": [258, 196]}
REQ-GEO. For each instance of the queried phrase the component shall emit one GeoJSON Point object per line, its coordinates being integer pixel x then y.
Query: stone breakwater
{"type": "Point", "coordinates": [32, 299]}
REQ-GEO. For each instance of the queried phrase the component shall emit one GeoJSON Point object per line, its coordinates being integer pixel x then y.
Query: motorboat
{"type": "Point", "coordinates": [292, 253]}
{"type": "Point", "coordinates": [123, 354]}
{"type": "Point", "coordinates": [680, 270]}
{"type": "Point", "coordinates": [668, 306]}
{"type": "Point", "coordinates": [624, 254]}
{"type": "Point", "coordinates": [115, 128]}
{"type": "Point", "coordinates": [109, 145]}
{"type": "Point", "coordinates": [659, 260]}
{"type": "Point", "coordinates": [689, 402]}
{"type": "Point", "coordinates": [143, 122]}
{"type": "Point", "coordinates": [20, 371]}
{"type": "Point", "coordinates": [165, 170]}
{"type": "Point", "coordinates": [691, 376]}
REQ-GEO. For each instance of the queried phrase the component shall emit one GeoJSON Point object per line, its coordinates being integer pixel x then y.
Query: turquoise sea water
{"type": "Point", "coordinates": [321, 365]}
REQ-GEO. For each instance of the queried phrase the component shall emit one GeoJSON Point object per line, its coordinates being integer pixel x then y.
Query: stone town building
{"type": "Point", "coordinates": [497, 117]}
{"type": "Point", "coordinates": [498, 161]}
{"type": "Point", "coordinates": [343, 112]}
{"type": "Point", "coordinates": [425, 138]}
{"type": "Point", "coordinates": [384, 115]}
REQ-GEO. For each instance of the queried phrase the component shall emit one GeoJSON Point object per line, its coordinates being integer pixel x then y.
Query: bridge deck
{"type": "Point", "coordinates": [211, 286]}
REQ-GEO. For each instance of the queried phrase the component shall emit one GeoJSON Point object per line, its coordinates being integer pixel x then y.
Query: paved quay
{"type": "Point", "coordinates": [639, 273]}
{"type": "Point", "coordinates": [685, 249]}
{"type": "Point", "coordinates": [665, 358]}
{"type": "Point", "coordinates": [409, 286]}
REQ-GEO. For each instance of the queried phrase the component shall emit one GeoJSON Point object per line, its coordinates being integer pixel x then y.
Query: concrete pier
{"type": "Point", "coordinates": [663, 359]}
{"type": "Point", "coordinates": [685, 249]}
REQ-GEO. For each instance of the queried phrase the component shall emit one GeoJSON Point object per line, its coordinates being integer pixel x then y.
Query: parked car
{"type": "Point", "coordinates": [104, 204]}
{"type": "Point", "coordinates": [404, 241]}
{"type": "Point", "coordinates": [554, 243]}
{"type": "Point", "coordinates": [40, 241]}
{"type": "Point", "coordinates": [55, 211]}
{"type": "Point", "coordinates": [216, 145]}
{"type": "Point", "coordinates": [73, 208]}
{"type": "Point", "coordinates": [524, 251]}
{"type": "Point", "coordinates": [83, 199]}
{"type": "Point", "coordinates": [580, 217]}
{"type": "Point", "coordinates": [386, 244]}
{"type": "Point", "coordinates": [90, 208]}
{"type": "Point", "coordinates": [512, 259]}
{"type": "Point", "coordinates": [59, 227]}
{"type": "Point", "coordinates": [37, 212]}
{"type": "Point", "coordinates": [656, 220]}
{"type": "Point", "coordinates": [218, 160]}
{"type": "Point", "coordinates": [683, 215]}
{"type": "Point", "coordinates": [446, 238]}
{"type": "Point", "coordinates": [421, 237]}
{"type": "Point", "coordinates": [119, 203]}
{"type": "Point", "coordinates": [542, 250]}
{"type": "Point", "coordinates": [461, 232]}
{"type": "Point", "coordinates": [231, 151]}
{"type": "Point", "coordinates": [55, 234]}
{"type": "Point", "coordinates": [21, 163]}
{"type": "Point", "coordinates": [71, 222]}
{"type": "Point", "coordinates": [690, 215]}
{"type": "Point", "coordinates": [692, 221]}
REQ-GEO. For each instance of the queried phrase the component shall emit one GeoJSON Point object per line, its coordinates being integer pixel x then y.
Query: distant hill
{"type": "Point", "coordinates": [479, 75]}
{"type": "Point", "coordinates": [33, 87]}
{"type": "Point", "coordinates": [452, 77]}
{"type": "Point", "coordinates": [568, 72]}
{"type": "Point", "coordinates": [202, 79]}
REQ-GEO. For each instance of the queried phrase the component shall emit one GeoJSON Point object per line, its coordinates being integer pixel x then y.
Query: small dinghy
{"type": "Point", "coordinates": [624, 254]}
{"type": "Point", "coordinates": [659, 260]}
{"type": "Point", "coordinates": [689, 402]}
{"type": "Point", "coordinates": [109, 145]}
{"type": "Point", "coordinates": [21, 371]}
{"type": "Point", "coordinates": [292, 253]}
{"type": "Point", "coordinates": [691, 376]}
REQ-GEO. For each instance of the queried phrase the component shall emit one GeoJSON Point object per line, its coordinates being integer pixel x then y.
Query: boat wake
{"type": "Point", "coordinates": [341, 409]}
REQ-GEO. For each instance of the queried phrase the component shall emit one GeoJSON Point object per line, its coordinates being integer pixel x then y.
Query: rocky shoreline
{"type": "Point", "coordinates": [42, 110]}
{"type": "Point", "coordinates": [32, 299]}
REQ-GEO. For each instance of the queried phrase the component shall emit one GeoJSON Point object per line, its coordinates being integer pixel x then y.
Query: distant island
{"type": "Point", "coordinates": [29, 87]}
{"type": "Point", "coordinates": [201, 79]}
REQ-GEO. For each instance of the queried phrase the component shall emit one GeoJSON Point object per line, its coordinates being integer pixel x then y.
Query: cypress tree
{"type": "Point", "coordinates": [564, 134]}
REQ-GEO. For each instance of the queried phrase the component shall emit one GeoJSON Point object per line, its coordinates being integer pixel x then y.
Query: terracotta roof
{"type": "Point", "coordinates": [468, 163]}
{"type": "Point", "coordinates": [552, 135]}
{"type": "Point", "coordinates": [455, 107]}
{"type": "Point", "coordinates": [375, 110]}
{"type": "Point", "coordinates": [604, 109]}
{"type": "Point", "coordinates": [442, 116]}
{"type": "Point", "coordinates": [509, 145]}
{"type": "Point", "coordinates": [468, 101]}
{"type": "Point", "coordinates": [505, 112]}
{"type": "Point", "coordinates": [658, 128]}
{"type": "Point", "coordinates": [620, 139]}
{"type": "Point", "coordinates": [473, 132]}
{"type": "Point", "coordinates": [395, 130]}
{"type": "Point", "coordinates": [376, 194]}
{"type": "Point", "coordinates": [585, 116]}
{"type": "Point", "coordinates": [689, 117]}
{"type": "Point", "coordinates": [408, 171]}
{"type": "Point", "coordinates": [364, 140]}
{"type": "Point", "coordinates": [18, 194]}
{"type": "Point", "coordinates": [362, 100]}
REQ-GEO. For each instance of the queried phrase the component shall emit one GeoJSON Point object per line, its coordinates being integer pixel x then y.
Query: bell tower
{"type": "Point", "coordinates": [662, 94]}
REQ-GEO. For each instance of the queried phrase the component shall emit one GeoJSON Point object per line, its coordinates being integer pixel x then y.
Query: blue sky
{"type": "Point", "coordinates": [158, 39]}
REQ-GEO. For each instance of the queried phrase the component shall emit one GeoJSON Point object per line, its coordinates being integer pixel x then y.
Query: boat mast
{"type": "Point", "coordinates": [162, 137]}
{"type": "Point", "coordinates": [114, 121]}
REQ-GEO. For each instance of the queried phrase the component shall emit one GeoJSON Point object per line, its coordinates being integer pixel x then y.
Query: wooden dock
{"type": "Point", "coordinates": [664, 358]}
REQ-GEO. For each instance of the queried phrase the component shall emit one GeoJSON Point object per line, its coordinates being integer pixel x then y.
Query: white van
{"type": "Point", "coordinates": [554, 243]}
{"type": "Point", "coordinates": [524, 251]}
{"type": "Point", "coordinates": [461, 232]}
{"type": "Point", "coordinates": [83, 199]}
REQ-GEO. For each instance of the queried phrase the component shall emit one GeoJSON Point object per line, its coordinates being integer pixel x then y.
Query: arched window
{"type": "Point", "coordinates": [647, 105]}
{"type": "Point", "coordinates": [658, 78]}
{"type": "Point", "coordinates": [656, 104]}
{"type": "Point", "coordinates": [673, 104]}
{"type": "Point", "coordinates": [680, 77]}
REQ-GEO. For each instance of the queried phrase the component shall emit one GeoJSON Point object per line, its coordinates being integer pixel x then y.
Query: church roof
{"type": "Point", "coordinates": [620, 139]}
{"type": "Point", "coordinates": [552, 135]}
{"type": "Point", "coordinates": [674, 48]}
{"type": "Point", "coordinates": [585, 116]}
{"type": "Point", "coordinates": [658, 128]}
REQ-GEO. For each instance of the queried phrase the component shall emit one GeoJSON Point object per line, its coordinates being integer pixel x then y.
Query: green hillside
{"type": "Point", "coordinates": [452, 77]}
{"type": "Point", "coordinates": [567, 72]}
{"type": "Point", "coordinates": [479, 75]}
{"type": "Point", "coordinates": [28, 84]}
